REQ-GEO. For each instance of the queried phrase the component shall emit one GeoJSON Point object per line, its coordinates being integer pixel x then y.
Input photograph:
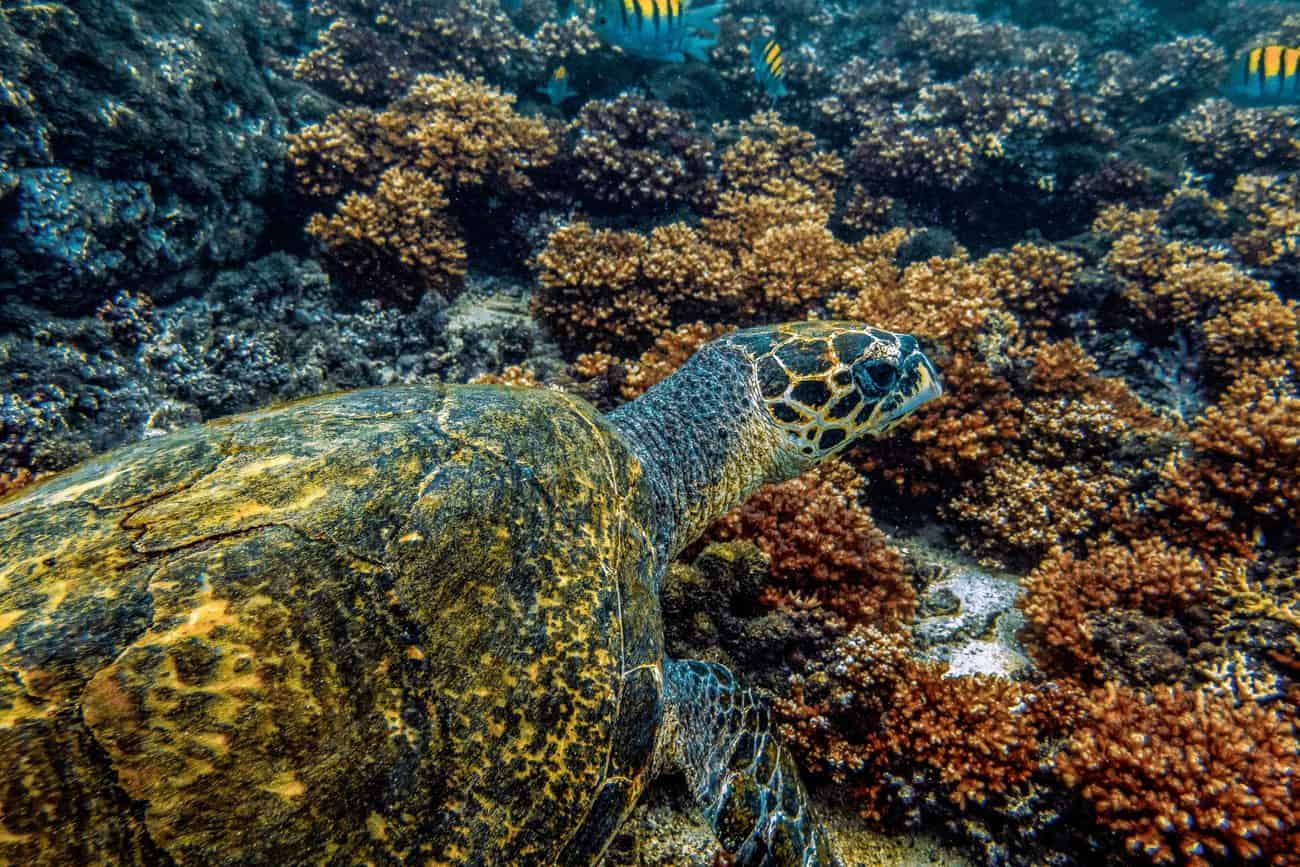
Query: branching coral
{"type": "Point", "coordinates": [768, 150]}
{"type": "Point", "coordinates": [1241, 475]}
{"type": "Point", "coordinates": [1161, 82]}
{"type": "Point", "coordinates": [868, 716]}
{"type": "Point", "coordinates": [592, 291]}
{"type": "Point", "coordinates": [373, 49]}
{"type": "Point", "coordinates": [398, 239]}
{"type": "Point", "coordinates": [1258, 608]}
{"type": "Point", "coordinates": [515, 375]}
{"type": "Point", "coordinates": [639, 154]}
{"type": "Point", "coordinates": [1147, 575]}
{"type": "Point", "coordinates": [993, 132]}
{"type": "Point", "coordinates": [824, 545]}
{"type": "Point", "coordinates": [762, 252]}
{"type": "Point", "coordinates": [1187, 778]}
{"type": "Point", "coordinates": [1033, 280]}
{"type": "Point", "coordinates": [445, 140]}
{"type": "Point", "coordinates": [1232, 319]}
{"type": "Point", "coordinates": [1223, 138]}
{"type": "Point", "coordinates": [1271, 204]}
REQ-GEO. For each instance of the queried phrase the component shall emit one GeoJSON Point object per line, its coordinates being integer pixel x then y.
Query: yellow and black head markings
{"type": "Point", "coordinates": [826, 384]}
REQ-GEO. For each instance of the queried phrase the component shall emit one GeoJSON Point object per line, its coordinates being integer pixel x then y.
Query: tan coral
{"type": "Point", "coordinates": [1241, 474]}
{"type": "Point", "coordinates": [1149, 575]}
{"type": "Point", "coordinates": [397, 236]}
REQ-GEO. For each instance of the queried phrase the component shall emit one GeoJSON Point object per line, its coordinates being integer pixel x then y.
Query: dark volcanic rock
{"type": "Point", "coordinates": [140, 145]}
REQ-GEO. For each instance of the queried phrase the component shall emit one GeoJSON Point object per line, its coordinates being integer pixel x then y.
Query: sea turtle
{"type": "Point", "coordinates": [409, 624]}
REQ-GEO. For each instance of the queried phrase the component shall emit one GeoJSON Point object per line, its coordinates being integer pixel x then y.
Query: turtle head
{"type": "Point", "coordinates": [825, 385]}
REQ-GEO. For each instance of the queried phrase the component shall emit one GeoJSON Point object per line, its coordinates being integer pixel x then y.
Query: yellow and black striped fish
{"type": "Point", "coordinates": [769, 66]}
{"type": "Point", "coordinates": [658, 29]}
{"type": "Point", "coordinates": [1265, 76]}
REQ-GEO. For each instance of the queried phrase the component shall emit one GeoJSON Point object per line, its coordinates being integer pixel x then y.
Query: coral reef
{"type": "Point", "coordinates": [371, 50]}
{"type": "Point", "coordinates": [1238, 483]}
{"type": "Point", "coordinates": [1187, 778]}
{"type": "Point", "coordinates": [274, 330]}
{"type": "Point", "coordinates": [823, 546]}
{"type": "Point", "coordinates": [763, 251]}
{"type": "Point", "coordinates": [1065, 592]}
{"type": "Point", "coordinates": [1100, 253]}
{"type": "Point", "coordinates": [636, 154]}
{"type": "Point", "coordinates": [871, 718]}
{"type": "Point", "coordinates": [445, 140]}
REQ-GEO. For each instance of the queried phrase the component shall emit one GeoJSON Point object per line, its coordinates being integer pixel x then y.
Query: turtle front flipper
{"type": "Point", "coordinates": [721, 736]}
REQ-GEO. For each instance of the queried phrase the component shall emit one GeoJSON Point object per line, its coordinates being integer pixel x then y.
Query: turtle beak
{"type": "Point", "coordinates": [928, 386]}
{"type": "Point", "coordinates": [918, 384]}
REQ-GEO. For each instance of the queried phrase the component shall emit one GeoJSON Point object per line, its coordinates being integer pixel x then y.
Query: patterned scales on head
{"type": "Point", "coordinates": [400, 624]}
{"type": "Point", "coordinates": [828, 390]}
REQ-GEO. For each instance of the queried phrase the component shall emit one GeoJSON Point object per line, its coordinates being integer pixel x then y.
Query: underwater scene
{"type": "Point", "coordinates": [650, 432]}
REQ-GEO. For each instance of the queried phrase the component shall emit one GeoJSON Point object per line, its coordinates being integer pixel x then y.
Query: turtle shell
{"type": "Point", "coordinates": [412, 623]}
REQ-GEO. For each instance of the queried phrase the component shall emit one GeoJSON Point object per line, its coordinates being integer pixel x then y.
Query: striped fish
{"type": "Point", "coordinates": [1265, 76]}
{"type": "Point", "coordinates": [557, 87]}
{"type": "Point", "coordinates": [658, 29]}
{"type": "Point", "coordinates": [769, 66]}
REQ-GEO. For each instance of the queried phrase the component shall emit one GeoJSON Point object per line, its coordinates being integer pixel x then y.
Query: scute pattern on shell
{"type": "Point", "coordinates": [213, 646]}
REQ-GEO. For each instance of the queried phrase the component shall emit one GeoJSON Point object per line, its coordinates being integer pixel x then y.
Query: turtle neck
{"type": "Point", "coordinates": [705, 443]}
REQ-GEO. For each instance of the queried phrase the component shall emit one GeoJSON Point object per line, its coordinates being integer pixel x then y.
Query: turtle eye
{"type": "Point", "coordinates": [876, 376]}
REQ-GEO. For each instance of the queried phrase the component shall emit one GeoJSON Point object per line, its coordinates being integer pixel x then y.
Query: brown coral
{"type": "Point", "coordinates": [638, 154]}
{"type": "Point", "coordinates": [592, 288]}
{"type": "Point", "coordinates": [1241, 475]}
{"type": "Point", "coordinates": [823, 544]}
{"type": "Point", "coordinates": [1187, 778]}
{"type": "Point", "coordinates": [1148, 575]}
{"type": "Point", "coordinates": [868, 712]}
{"type": "Point", "coordinates": [373, 49]}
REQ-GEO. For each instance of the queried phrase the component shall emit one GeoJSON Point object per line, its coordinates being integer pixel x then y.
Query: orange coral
{"type": "Point", "coordinates": [764, 251]}
{"type": "Point", "coordinates": [1148, 575]}
{"type": "Point", "coordinates": [1241, 474]}
{"type": "Point", "coordinates": [1187, 778]}
{"type": "Point", "coordinates": [514, 374]}
{"type": "Point", "coordinates": [771, 150]}
{"type": "Point", "coordinates": [593, 291]}
{"type": "Point", "coordinates": [822, 543]}
{"type": "Point", "coordinates": [16, 479]}
{"type": "Point", "coordinates": [1250, 331]}
{"type": "Point", "coordinates": [949, 301]}
{"type": "Point", "coordinates": [1033, 280]}
{"type": "Point", "coordinates": [1027, 507]}
{"type": "Point", "coordinates": [868, 711]}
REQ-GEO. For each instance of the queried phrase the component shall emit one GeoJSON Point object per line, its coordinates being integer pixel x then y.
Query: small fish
{"type": "Point", "coordinates": [1265, 76]}
{"type": "Point", "coordinates": [769, 66]}
{"type": "Point", "coordinates": [557, 87]}
{"type": "Point", "coordinates": [658, 29]}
